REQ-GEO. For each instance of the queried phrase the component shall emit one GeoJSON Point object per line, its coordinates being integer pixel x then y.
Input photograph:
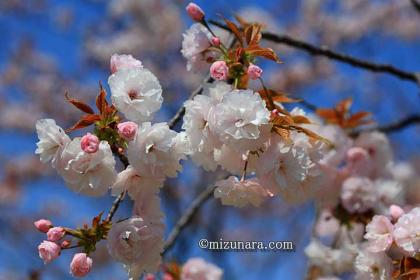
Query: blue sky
{"type": "Point", "coordinates": [66, 47]}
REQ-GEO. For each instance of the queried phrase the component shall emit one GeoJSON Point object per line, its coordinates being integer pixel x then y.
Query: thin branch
{"type": "Point", "coordinates": [416, 5]}
{"type": "Point", "coordinates": [414, 119]}
{"type": "Point", "coordinates": [120, 197]}
{"type": "Point", "coordinates": [324, 51]}
{"type": "Point", "coordinates": [187, 216]}
{"type": "Point", "coordinates": [181, 111]}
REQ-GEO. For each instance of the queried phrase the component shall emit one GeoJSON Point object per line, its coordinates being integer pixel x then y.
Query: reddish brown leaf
{"type": "Point", "coordinates": [79, 104]}
{"type": "Point", "coordinates": [301, 119]}
{"type": "Point", "coordinates": [85, 121]}
{"type": "Point", "coordinates": [101, 102]}
{"type": "Point", "coordinates": [263, 52]}
{"type": "Point", "coordinates": [235, 30]}
{"type": "Point", "coordinates": [285, 99]}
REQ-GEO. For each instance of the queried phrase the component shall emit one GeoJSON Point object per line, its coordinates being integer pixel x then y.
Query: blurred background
{"type": "Point", "coordinates": [49, 47]}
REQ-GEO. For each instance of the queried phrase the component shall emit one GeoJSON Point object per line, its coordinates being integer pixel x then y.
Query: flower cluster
{"type": "Point", "coordinates": [248, 132]}
{"type": "Point", "coordinates": [88, 166]}
{"type": "Point", "coordinates": [364, 191]}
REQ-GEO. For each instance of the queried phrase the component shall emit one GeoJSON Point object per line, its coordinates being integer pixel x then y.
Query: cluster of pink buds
{"type": "Point", "coordinates": [50, 249]}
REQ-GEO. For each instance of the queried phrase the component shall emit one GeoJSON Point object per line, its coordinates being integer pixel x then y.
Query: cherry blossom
{"type": "Point", "coordinates": [407, 231]}
{"type": "Point", "coordinates": [239, 193]}
{"type": "Point", "coordinates": [124, 61]}
{"type": "Point", "coordinates": [198, 268]}
{"type": "Point", "coordinates": [48, 251]}
{"type": "Point", "coordinates": [379, 234]}
{"type": "Point", "coordinates": [52, 140]}
{"type": "Point", "coordinates": [136, 92]}
{"type": "Point", "coordinates": [80, 265]}
{"type": "Point", "coordinates": [196, 41]}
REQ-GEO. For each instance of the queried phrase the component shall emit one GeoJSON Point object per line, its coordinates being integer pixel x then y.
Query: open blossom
{"type": "Point", "coordinates": [407, 231]}
{"type": "Point", "coordinates": [147, 206]}
{"type": "Point", "coordinates": [137, 244]}
{"type": "Point", "coordinates": [281, 167]}
{"type": "Point", "coordinates": [358, 194]}
{"type": "Point", "coordinates": [379, 149]}
{"type": "Point", "coordinates": [55, 233]}
{"type": "Point", "coordinates": [196, 41]}
{"type": "Point", "coordinates": [43, 225]}
{"type": "Point", "coordinates": [331, 260]}
{"type": "Point", "coordinates": [89, 174]}
{"type": "Point", "coordinates": [217, 90]}
{"type": "Point", "coordinates": [239, 193]}
{"type": "Point", "coordinates": [80, 265]}
{"type": "Point", "coordinates": [124, 61]}
{"type": "Point", "coordinates": [195, 12]}
{"type": "Point", "coordinates": [127, 130]}
{"type": "Point", "coordinates": [373, 266]}
{"type": "Point", "coordinates": [358, 162]}
{"type": "Point", "coordinates": [136, 92]}
{"type": "Point", "coordinates": [241, 120]}
{"type": "Point", "coordinates": [154, 151]}
{"type": "Point", "coordinates": [254, 72]}
{"type": "Point", "coordinates": [52, 140]}
{"type": "Point", "coordinates": [89, 143]}
{"type": "Point", "coordinates": [129, 180]}
{"type": "Point", "coordinates": [199, 269]}
{"type": "Point", "coordinates": [48, 251]}
{"type": "Point", "coordinates": [234, 161]}
{"type": "Point", "coordinates": [379, 234]}
{"type": "Point", "coordinates": [202, 141]}
{"type": "Point", "coordinates": [219, 70]}
{"type": "Point", "coordinates": [342, 143]}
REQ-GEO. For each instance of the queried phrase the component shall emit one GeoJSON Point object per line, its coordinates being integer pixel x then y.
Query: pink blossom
{"type": "Point", "coordinates": [358, 161]}
{"type": "Point", "coordinates": [254, 72]}
{"type": "Point", "coordinates": [80, 265]}
{"type": "Point", "coordinates": [407, 231]}
{"type": "Point", "coordinates": [127, 130]}
{"type": "Point", "coordinates": [43, 225]}
{"type": "Point", "coordinates": [149, 276]}
{"type": "Point", "coordinates": [56, 233]}
{"type": "Point", "coordinates": [197, 268]}
{"type": "Point", "coordinates": [124, 61]}
{"type": "Point", "coordinates": [395, 211]}
{"type": "Point", "coordinates": [379, 234]}
{"type": "Point", "coordinates": [89, 143]}
{"type": "Point", "coordinates": [219, 70]}
{"type": "Point", "coordinates": [48, 251]}
{"type": "Point", "coordinates": [167, 276]}
{"type": "Point", "coordinates": [215, 41]}
{"type": "Point", "coordinates": [195, 12]}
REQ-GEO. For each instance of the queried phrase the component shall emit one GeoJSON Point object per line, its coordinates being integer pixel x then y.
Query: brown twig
{"type": "Point", "coordinates": [120, 197]}
{"type": "Point", "coordinates": [187, 216]}
{"type": "Point", "coordinates": [414, 119]}
{"type": "Point", "coordinates": [181, 111]}
{"type": "Point", "coordinates": [324, 51]}
{"type": "Point", "coordinates": [416, 5]}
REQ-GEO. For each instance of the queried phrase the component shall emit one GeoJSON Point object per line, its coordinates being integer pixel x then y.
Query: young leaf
{"type": "Point", "coordinates": [79, 104]}
{"type": "Point", "coordinates": [85, 121]}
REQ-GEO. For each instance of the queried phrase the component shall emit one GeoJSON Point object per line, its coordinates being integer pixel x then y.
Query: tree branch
{"type": "Point", "coordinates": [324, 51]}
{"type": "Point", "coordinates": [413, 119]}
{"type": "Point", "coordinates": [187, 217]}
{"type": "Point", "coordinates": [120, 197]}
{"type": "Point", "coordinates": [181, 111]}
{"type": "Point", "coordinates": [416, 5]}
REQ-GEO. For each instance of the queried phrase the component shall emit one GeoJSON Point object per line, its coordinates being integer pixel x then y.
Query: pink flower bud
{"type": "Point", "coordinates": [254, 72]}
{"type": "Point", "coordinates": [48, 251]}
{"type": "Point", "coordinates": [65, 244]}
{"type": "Point", "coordinates": [219, 70]}
{"type": "Point", "coordinates": [89, 143]}
{"type": "Point", "coordinates": [43, 225]}
{"type": "Point", "coordinates": [124, 61]}
{"type": "Point", "coordinates": [127, 130]}
{"type": "Point", "coordinates": [167, 276]}
{"type": "Point", "coordinates": [149, 276]}
{"type": "Point", "coordinates": [215, 41]}
{"type": "Point", "coordinates": [396, 212]}
{"type": "Point", "coordinates": [56, 233]}
{"type": "Point", "coordinates": [80, 265]}
{"type": "Point", "coordinates": [195, 12]}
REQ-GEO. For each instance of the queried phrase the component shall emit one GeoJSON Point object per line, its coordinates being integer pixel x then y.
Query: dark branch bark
{"type": "Point", "coordinates": [414, 119]}
{"type": "Point", "coordinates": [187, 217]}
{"type": "Point", "coordinates": [181, 111]}
{"type": "Point", "coordinates": [416, 5]}
{"type": "Point", "coordinates": [324, 51]}
{"type": "Point", "coordinates": [120, 197]}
